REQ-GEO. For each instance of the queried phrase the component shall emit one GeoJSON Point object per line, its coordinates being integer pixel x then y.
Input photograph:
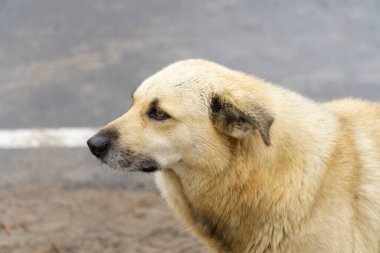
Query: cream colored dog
{"type": "Point", "coordinates": [252, 167]}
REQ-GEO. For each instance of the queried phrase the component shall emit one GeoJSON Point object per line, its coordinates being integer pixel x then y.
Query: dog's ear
{"type": "Point", "coordinates": [237, 120]}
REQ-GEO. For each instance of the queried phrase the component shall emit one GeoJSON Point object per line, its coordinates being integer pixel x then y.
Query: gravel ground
{"type": "Point", "coordinates": [50, 219]}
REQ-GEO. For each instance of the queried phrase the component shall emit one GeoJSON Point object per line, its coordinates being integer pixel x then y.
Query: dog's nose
{"type": "Point", "coordinates": [99, 145]}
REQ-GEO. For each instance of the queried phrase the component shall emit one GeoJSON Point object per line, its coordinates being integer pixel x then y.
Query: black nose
{"type": "Point", "coordinates": [99, 145]}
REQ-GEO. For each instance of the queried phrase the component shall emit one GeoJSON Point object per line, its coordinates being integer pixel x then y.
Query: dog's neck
{"type": "Point", "coordinates": [254, 187]}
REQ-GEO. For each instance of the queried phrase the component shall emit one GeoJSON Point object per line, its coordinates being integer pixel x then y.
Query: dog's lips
{"type": "Point", "coordinates": [147, 165]}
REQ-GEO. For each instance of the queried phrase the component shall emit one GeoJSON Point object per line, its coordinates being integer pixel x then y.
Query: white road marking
{"type": "Point", "coordinates": [45, 137]}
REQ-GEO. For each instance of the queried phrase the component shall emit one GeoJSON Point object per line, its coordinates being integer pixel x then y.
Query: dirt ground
{"type": "Point", "coordinates": [51, 219]}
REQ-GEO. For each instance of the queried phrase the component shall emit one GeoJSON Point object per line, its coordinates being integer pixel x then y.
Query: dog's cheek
{"type": "Point", "coordinates": [162, 151]}
{"type": "Point", "coordinates": [166, 161]}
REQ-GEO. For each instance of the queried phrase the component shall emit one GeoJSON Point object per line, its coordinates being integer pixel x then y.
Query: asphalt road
{"type": "Point", "coordinates": [75, 63]}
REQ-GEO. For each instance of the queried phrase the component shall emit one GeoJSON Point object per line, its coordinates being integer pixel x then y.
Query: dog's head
{"type": "Point", "coordinates": [185, 116]}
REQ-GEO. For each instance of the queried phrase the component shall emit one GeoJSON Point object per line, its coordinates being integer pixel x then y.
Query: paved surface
{"type": "Point", "coordinates": [75, 63]}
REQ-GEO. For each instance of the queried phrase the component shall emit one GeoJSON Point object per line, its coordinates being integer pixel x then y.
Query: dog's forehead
{"type": "Point", "coordinates": [169, 94]}
{"type": "Point", "coordinates": [182, 79]}
{"type": "Point", "coordinates": [168, 88]}
{"type": "Point", "coordinates": [181, 87]}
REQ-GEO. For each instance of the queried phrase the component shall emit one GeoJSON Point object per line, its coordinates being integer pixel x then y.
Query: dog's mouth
{"type": "Point", "coordinates": [143, 163]}
{"type": "Point", "coordinates": [150, 167]}
{"type": "Point", "coordinates": [127, 162]}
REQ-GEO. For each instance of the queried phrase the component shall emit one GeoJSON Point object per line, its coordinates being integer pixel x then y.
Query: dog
{"type": "Point", "coordinates": [250, 166]}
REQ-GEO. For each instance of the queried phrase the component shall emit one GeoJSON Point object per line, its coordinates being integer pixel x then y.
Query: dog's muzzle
{"type": "Point", "coordinates": [101, 146]}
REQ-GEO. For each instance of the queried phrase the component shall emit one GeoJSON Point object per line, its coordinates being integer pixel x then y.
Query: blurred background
{"type": "Point", "coordinates": [75, 63]}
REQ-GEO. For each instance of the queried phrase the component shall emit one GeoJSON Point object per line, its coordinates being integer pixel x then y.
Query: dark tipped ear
{"type": "Point", "coordinates": [238, 121]}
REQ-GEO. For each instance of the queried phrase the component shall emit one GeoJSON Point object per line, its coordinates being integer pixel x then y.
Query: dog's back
{"type": "Point", "coordinates": [361, 120]}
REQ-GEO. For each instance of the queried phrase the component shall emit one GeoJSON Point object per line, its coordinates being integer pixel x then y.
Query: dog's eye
{"type": "Point", "coordinates": [157, 114]}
